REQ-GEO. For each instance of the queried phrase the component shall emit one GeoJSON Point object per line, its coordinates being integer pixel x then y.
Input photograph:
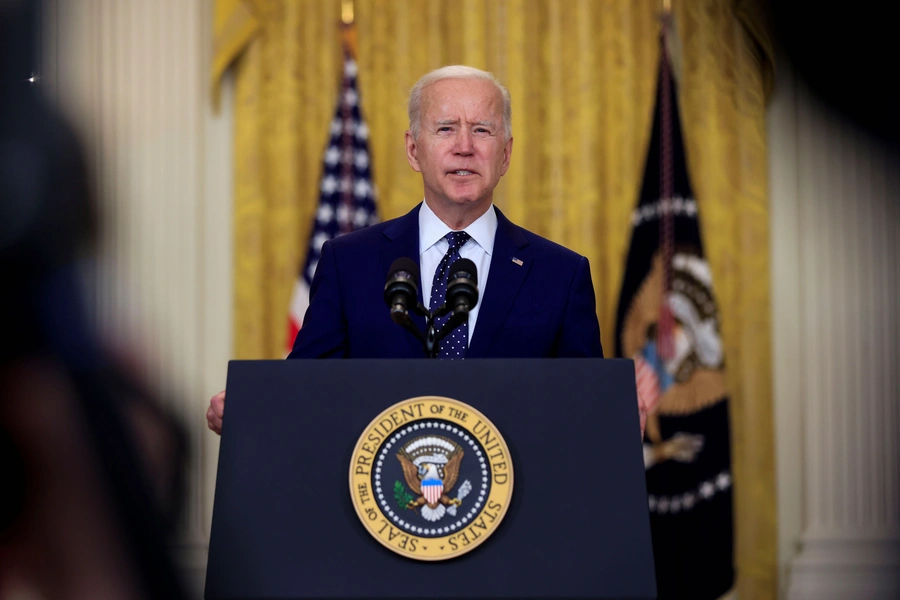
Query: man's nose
{"type": "Point", "coordinates": [464, 142]}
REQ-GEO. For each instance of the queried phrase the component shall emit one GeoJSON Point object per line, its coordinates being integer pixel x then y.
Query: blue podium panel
{"type": "Point", "coordinates": [284, 525]}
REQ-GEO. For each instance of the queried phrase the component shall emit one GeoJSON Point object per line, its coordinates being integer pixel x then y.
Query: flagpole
{"type": "Point", "coordinates": [665, 323]}
{"type": "Point", "coordinates": [348, 28]}
{"type": "Point", "coordinates": [348, 43]}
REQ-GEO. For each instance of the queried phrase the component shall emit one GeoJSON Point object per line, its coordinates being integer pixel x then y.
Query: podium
{"type": "Point", "coordinates": [284, 524]}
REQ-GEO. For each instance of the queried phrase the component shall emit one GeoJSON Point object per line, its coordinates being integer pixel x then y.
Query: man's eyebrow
{"type": "Point", "coordinates": [441, 122]}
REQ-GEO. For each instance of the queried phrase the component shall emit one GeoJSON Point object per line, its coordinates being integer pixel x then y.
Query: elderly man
{"type": "Point", "coordinates": [537, 299]}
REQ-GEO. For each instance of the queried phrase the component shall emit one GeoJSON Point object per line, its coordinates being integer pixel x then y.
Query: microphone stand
{"type": "Point", "coordinates": [431, 337]}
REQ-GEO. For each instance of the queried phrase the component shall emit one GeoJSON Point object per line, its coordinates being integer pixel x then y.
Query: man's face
{"type": "Point", "coordinates": [461, 150]}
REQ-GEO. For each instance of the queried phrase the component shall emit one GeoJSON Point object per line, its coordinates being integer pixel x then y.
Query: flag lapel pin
{"type": "Point", "coordinates": [517, 261]}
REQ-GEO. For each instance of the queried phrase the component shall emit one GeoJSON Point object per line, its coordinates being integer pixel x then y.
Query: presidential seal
{"type": "Point", "coordinates": [431, 478]}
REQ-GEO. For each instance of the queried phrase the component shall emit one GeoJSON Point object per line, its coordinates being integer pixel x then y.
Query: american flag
{"type": "Point", "coordinates": [346, 192]}
{"type": "Point", "coordinates": [647, 383]}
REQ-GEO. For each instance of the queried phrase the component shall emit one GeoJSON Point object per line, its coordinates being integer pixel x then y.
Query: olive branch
{"type": "Point", "coordinates": [401, 495]}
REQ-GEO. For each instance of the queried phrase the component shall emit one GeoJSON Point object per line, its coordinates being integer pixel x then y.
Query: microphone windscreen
{"type": "Point", "coordinates": [407, 264]}
{"type": "Point", "coordinates": [464, 265]}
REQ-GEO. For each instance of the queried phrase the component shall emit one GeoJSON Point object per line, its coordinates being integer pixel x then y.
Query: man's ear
{"type": "Point", "coordinates": [507, 154]}
{"type": "Point", "coordinates": [412, 152]}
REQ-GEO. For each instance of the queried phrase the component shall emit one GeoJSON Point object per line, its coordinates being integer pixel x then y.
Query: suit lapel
{"type": "Point", "coordinates": [505, 278]}
{"type": "Point", "coordinates": [402, 239]}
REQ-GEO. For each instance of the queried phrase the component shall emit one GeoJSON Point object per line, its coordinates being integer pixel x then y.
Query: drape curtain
{"type": "Point", "coordinates": [582, 76]}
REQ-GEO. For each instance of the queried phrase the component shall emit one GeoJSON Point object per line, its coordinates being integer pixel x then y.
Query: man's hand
{"type": "Point", "coordinates": [217, 410]}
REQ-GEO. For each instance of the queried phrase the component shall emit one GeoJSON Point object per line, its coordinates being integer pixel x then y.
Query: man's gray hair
{"type": "Point", "coordinates": [455, 72]}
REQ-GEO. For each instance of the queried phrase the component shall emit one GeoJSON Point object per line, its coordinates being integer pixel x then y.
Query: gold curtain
{"type": "Point", "coordinates": [582, 78]}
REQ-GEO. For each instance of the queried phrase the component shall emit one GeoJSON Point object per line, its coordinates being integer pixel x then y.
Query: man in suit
{"type": "Point", "coordinates": [536, 297]}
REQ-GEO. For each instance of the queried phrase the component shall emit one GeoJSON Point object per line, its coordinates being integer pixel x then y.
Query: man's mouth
{"type": "Point", "coordinates": [462, 172]}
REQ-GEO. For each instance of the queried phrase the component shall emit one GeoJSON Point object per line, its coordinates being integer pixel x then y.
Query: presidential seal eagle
{"type": "Point", "coordinates": [431, 468]}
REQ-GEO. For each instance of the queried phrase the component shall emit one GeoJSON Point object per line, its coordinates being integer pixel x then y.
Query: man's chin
{"type": "Point", "coordinates": [466, 195]}
{"type": "Point", "coordinates": [468, 201]}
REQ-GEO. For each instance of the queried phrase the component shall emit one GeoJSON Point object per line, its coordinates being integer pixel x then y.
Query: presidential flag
{"type": "Point", "coordinates": [668, 322]}
{"type": "Point", "coordinates": [346, 192]}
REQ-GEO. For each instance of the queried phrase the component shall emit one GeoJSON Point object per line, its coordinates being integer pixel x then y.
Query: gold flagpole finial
{"type": "Point", "coordinates": [348, 28]}
{"type": "Point", "coordinates": [347, 12]}
{"type": "Point", "coordinates": [667, 7]}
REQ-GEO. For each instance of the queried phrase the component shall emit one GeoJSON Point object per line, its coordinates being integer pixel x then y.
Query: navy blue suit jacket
{"type": "Point", "coordinates": [543, 308]}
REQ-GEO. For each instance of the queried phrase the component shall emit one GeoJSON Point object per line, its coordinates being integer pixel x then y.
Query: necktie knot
{"type": "Point", "coordinates": [456, 239]}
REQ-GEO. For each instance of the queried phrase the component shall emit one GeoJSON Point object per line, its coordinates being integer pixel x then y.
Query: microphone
{"type": "Point", "coordinates": [462, 286]}
{"type": "Point", "coordinates": [402, 290]}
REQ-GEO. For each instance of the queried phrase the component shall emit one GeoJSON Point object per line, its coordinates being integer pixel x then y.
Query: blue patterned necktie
{"type": "Point", "coordinates": [455, 344]}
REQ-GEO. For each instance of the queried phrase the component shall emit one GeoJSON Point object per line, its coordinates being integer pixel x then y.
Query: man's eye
{"type": "Point", "coordinates": [443, 129]}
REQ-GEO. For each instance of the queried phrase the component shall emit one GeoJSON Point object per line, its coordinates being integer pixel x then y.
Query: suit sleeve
{"type": "Point", "coordinates": [324, 330]}
{"type": "Point", "coordinates": [580, 337]}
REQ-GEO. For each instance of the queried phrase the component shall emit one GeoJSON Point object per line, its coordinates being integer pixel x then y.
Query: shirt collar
{"type": "Point", "coordinates": [432, 230]}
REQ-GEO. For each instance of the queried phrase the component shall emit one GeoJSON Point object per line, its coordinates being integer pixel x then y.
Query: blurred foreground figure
{"type": "Point", "coordinates": [845, 55]}
{"type": "Point", "coordinates": [91, 464]}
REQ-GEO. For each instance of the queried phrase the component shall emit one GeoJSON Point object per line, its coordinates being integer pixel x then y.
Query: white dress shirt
{"type": "Point", "coordinates": [433, 247]}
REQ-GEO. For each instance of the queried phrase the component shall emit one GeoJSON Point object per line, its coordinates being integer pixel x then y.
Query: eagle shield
{"type": "Point", "coordinates": [432, 489]}
{"type": "Point", "coordinates": [431, 467]}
